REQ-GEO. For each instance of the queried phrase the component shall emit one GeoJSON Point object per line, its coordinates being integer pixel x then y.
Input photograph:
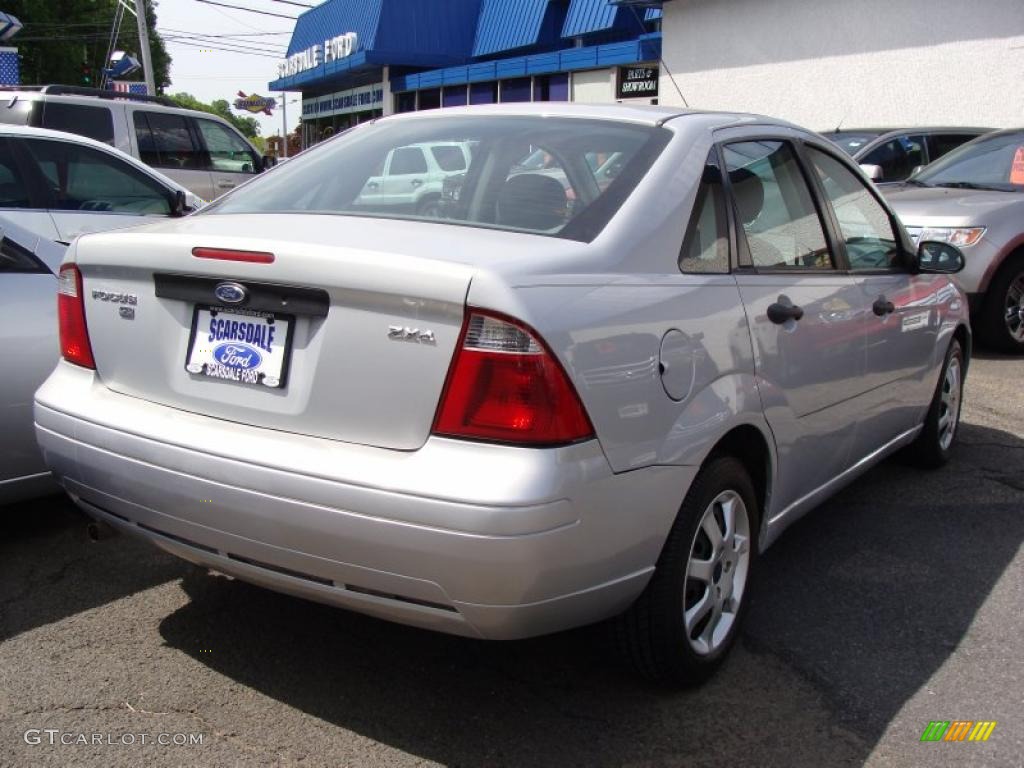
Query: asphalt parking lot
{"type": "Point", "coordinates": [896, 603]}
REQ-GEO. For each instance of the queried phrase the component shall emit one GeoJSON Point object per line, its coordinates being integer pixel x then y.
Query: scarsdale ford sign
{"type": "Point", "coordinates": [340, 103]}
{"type": "Point", "coordinates": [333, 49]}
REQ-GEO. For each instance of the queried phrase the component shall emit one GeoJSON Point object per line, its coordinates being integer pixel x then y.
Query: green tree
{"type": "Point", "coordinates": [248, 126]}
{"type": "Point", "coordinates": [60, 36]}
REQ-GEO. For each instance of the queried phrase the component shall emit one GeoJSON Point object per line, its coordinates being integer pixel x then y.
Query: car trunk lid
{"type": "Point", "coordinates": [371, 329]}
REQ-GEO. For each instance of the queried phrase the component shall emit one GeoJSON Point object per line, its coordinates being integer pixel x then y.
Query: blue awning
{"type": "Point", "coordinates": [508, 24]}
{"type": "Point", "coordinates": [586, 17]}
{"type": "Point", "coordinates": [645, 48]}
{"type": "Point", "coordinates": [416, 33]}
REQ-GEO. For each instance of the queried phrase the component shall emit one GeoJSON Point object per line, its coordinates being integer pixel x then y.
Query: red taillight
{"type": "Point", "coordinates": [74, 336]}
{"type": "Point", "coordinates": [505, 385]}
{"type": "Point", "coordinates": [228, 254]}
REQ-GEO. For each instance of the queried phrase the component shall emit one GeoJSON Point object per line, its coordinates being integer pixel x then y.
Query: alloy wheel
{"type": "Point", "coordinates": [716, 572]}
{"type": "Point", "coordinates": [1014, 308]}
{"type": "Point", "coordinates": [949, 406]}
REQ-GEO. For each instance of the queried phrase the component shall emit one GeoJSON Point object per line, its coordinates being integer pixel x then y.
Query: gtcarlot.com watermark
{"type": "Point", "coordinates": [55, 737]}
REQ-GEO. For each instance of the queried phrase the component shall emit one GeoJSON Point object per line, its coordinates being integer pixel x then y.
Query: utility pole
{"type": "Point", "coordinates": [284, 120]}
{"type": "Point", "coordinates": [147, 60]}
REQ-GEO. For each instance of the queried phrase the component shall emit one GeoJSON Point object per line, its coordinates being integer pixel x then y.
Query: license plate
{"type": "Point", "coordinates": [244, 346]}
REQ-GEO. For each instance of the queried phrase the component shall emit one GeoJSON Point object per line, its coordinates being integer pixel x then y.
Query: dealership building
{"type": "Point", "coordinates": [354, 60]}
{"type": "Point", "coordinates": [833, 62]}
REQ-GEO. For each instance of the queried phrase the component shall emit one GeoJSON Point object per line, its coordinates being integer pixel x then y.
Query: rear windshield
{"type": "Point", "coordinates": [541, 175]}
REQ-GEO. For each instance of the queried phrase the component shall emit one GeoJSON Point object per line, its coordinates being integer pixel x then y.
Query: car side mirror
{"type": "Point", "coordinates": [269, 161]}
{"type": "Point", "coordinates": [936, 257]}
{"type": "Point", "coordinates": [178, 203]}
{"type": "Point", "coordinates": [873, 172]}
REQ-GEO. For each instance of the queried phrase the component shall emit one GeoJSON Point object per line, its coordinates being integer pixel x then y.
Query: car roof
{"type": "Point", "coordinates": [911, 129]}
{"type": "Point", "coordinates": [31, 94]}
{"type": "Point", "coordinates": [74, 138]}
{"type": "Point", "coordinates": [644, 114]}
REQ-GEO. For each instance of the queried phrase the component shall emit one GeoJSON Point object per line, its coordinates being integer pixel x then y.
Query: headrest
{"type": "Point", "coordinates": [748, 191]}
{"type": "Point", "coordinates": [532, 201]}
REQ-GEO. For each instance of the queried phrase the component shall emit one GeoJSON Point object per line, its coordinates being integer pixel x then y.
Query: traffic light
{"type": "Point", "coordinates": [86, 74]}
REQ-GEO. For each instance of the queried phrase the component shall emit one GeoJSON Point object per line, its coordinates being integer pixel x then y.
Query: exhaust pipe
{"type": "Point", "coordinates": [100, 531]}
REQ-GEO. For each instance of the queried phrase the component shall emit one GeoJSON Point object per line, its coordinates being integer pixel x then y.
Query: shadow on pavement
{"type": "Point", "coordinates": [49, 570]}
{"type": "Point", "coordinates": [855, 608]}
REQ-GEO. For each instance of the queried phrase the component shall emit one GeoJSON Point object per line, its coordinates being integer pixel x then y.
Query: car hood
{"type": "Point", "coordinates": [926, 205]}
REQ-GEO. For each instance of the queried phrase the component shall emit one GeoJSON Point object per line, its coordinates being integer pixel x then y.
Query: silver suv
{"type": "Point", "coordinates": [412, 177]}
{"type": "Point", "coordinates": [974, 198]}
{"type": "Point", "coordinates": [200, 151]}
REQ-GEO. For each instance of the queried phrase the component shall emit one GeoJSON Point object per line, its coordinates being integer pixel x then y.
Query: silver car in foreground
{"type": "Point", "coordinates": [530, 410]}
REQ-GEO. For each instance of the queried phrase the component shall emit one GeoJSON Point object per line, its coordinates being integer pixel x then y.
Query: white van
{"type": "Point", "coordinates": [200, 151]}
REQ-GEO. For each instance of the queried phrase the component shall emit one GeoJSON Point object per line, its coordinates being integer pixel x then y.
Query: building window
{"type": "Point", "coordinates": [430, 98]}
{"type": "Point", "coordinates": [551, 87]}
{"type": "Point", "coordinates": [405, 102]}
{"type": "Point", "coordinates": [483, 93]}
{"type": "Point", "coordinates": [454, 96]}
{"type": "Point", "coordinates": [515, 90]}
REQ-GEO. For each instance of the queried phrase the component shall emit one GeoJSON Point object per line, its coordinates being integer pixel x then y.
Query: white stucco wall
{"type": "Point", "coordinates": [861, 63]}
{"type": "Point", "coordinates": [595, 86]}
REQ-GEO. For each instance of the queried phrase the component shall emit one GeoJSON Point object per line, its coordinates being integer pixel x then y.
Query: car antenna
{"type": "Point", "coordinates": [661, 60]}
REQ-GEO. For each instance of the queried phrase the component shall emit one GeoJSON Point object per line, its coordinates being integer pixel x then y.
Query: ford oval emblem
{"type": "Point", "coordinates": [238, 356]}
{"type": "Point", "coordinates": [231, 293]}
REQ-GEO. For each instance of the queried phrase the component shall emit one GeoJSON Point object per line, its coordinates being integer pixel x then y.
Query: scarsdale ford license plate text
{"type": "Point", "coordinates": [239, 345]}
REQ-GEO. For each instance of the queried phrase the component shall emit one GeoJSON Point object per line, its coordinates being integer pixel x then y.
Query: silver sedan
{"type": "Point", "coordinates": [541, 404]}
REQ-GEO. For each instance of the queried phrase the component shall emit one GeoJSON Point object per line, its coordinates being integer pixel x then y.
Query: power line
{"type": "Point", "coordinates": [219, 47]}
{"type": "Point", "coordinates": [250, 44]}
{"type": "Point", "coordinates": [232, 34]}
{"type": "Point", "coordinates": [209, 47]}
{"type": "Point", "coordinates": [291, 2]}
{"type": "Point", "coordinates": [250, 10]}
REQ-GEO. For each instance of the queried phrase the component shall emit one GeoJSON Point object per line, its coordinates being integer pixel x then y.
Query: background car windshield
{"type": "Point", "coordinates": [995, 161]}
{"type": "Point", "coordinates": [540, 175]}
{"type": "Point", "coordinates": [851, 142]}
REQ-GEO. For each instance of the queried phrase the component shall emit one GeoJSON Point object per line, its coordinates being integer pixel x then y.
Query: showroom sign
{"type": "Point", "coordinates": [355, 100]}
{"type": "Point", "coordinates": [635, 81]}
{"type": "Point", "coordinates": [332, 49]}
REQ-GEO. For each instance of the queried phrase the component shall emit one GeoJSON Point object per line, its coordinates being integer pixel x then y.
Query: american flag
{"type": "Point", "coordinates": [125, 86]}
{"type": "Point", "coordinates": [10, 73]}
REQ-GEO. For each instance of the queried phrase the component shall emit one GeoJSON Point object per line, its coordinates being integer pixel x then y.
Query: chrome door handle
{"type": "Point", "coordinates": [784, 310]}
{"type": "Point", "coordinates": [883, 307]}
{"type": "Point", "coordinates": [416, 182]}
{"type": "Point", "coordinates": [226, 185]}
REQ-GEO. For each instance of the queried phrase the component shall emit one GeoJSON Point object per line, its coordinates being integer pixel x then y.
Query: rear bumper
{"type": "Point", "coordinates": [480, 540]}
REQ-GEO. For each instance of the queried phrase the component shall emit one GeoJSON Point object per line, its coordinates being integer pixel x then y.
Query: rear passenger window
{"type": "Point", "coordinates": [706, 245]}
{"type": "Point", "coordinates": [775, 207]}
{"type": "Point", "coordinates": [12, 187]}
{"type": "Point", "coordinates": [165, 141]}
{"type": "Point", "coordinates": [407, 160]}
{"type": "Point", "coordinates": [95, 122]}
{"type": "Point", "coordinates": [449, 158]}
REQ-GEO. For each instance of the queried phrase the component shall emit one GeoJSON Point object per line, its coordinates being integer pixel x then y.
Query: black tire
{"type": "Point", "coordinates": [931, 450]}
{"type": "Point", "coordinates": [652, 633]}
{"type": "Point", "coordinates": [994, 328]}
